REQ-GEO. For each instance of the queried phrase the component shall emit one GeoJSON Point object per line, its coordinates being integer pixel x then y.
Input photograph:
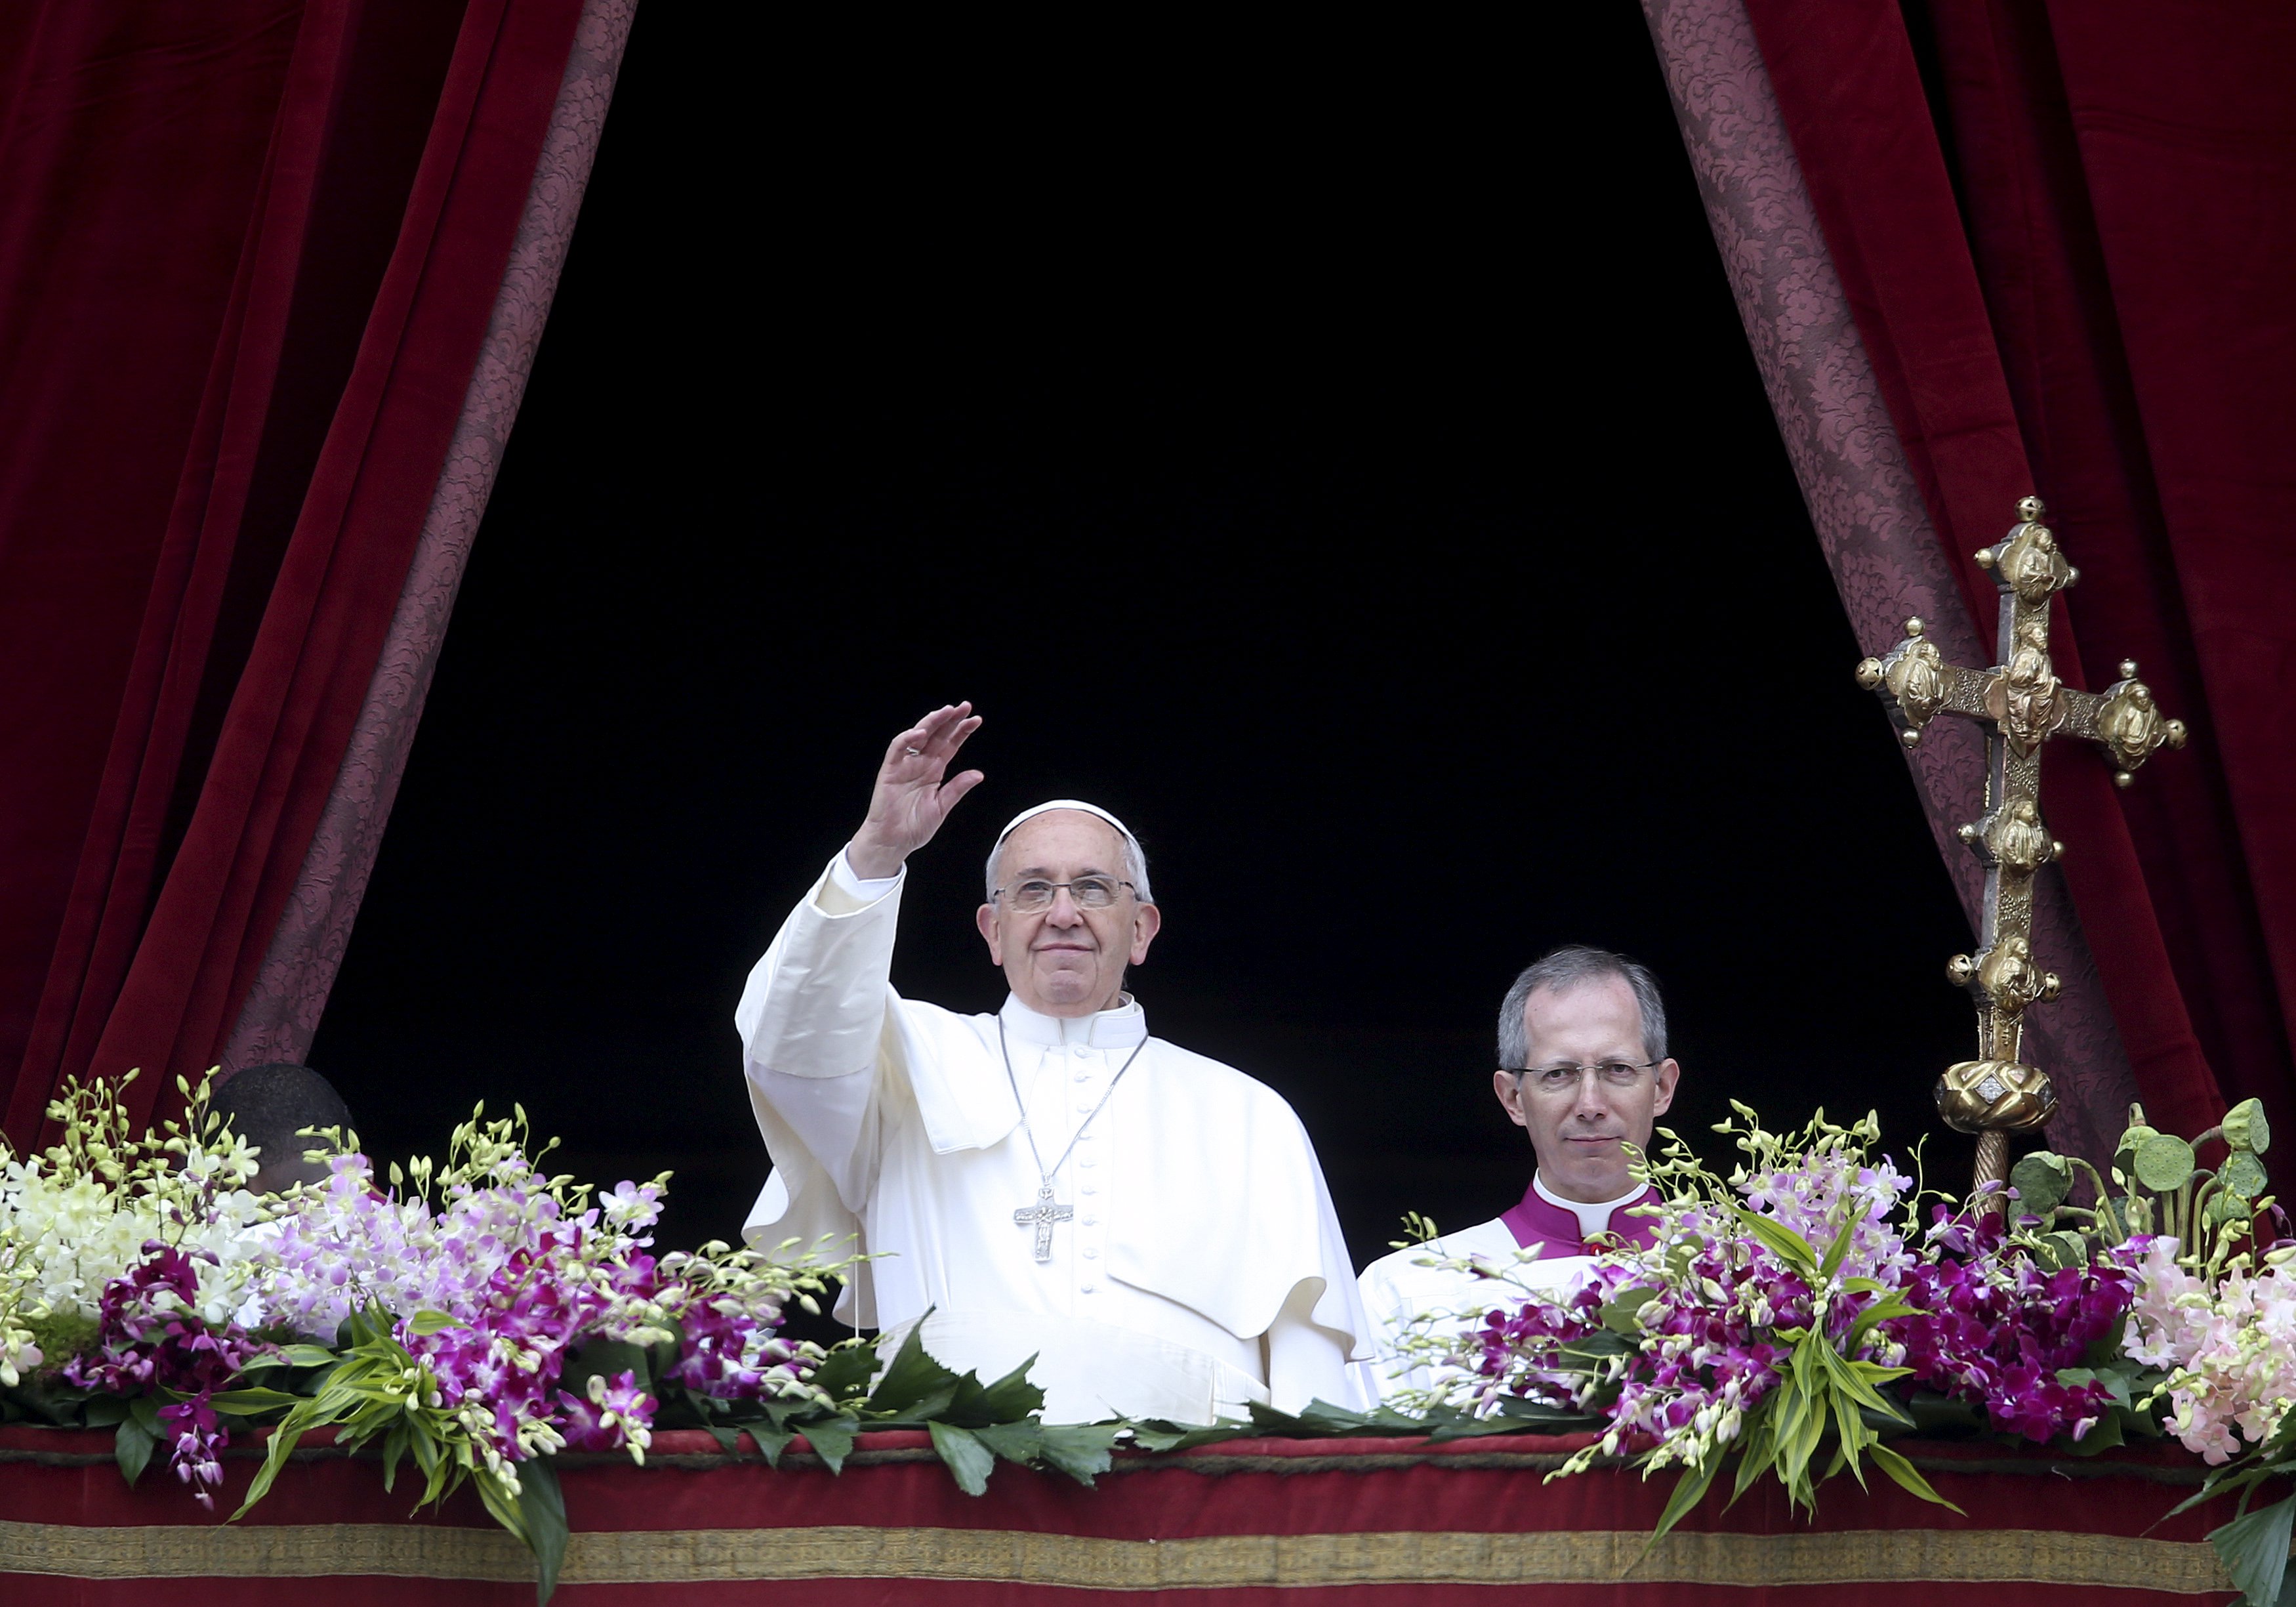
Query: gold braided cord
{"type": "Point", "coordinates": [676, 1556]}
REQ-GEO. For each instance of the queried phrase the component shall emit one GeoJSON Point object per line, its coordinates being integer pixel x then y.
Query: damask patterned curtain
{"type": "Point", "coordinates": [1985, 248]}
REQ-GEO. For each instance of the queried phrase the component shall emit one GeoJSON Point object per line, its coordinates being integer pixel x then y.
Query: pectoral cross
{"type": "Point", "coordinates": [2023, 705]}
{"type": "Point", "coordinates": [1043, 1213]}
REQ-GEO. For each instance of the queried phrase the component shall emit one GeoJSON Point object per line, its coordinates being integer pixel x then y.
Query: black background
{"type": "Point", "coordinates": [1345, 465]}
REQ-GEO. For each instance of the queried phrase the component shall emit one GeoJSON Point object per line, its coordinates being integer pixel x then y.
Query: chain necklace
{"type": "Point", "coordinates": [1042, 1215]}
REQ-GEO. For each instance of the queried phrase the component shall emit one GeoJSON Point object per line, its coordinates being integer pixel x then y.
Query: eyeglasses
{"type": "Point", "coordinates": [1088, 892]}
{"type": "Point", "coordinates": [1564, 1079]}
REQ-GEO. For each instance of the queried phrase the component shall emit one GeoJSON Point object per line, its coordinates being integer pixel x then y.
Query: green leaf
{"type": "Point", "coordinates": [132, 1444]}
{"type": "Point", "coordinates": [1020, 1442]}
{"type": "Point", "coordinates": [1759, 1450]}
{"type": "Point", "coordinates": [1790, 1244]}
{"type": "Point", "coordinates": [1908, 1476]}
{"type": "Point", "coordinates": [2254, 1547]}
{"type": "Point", "coordinates": [2103, 1435]}
{"type": "Point", "coordinates": [2223, 1481]}
{"type": "Point", "coordinates": [2064, 1251]}
{"type": "Point", "coordinates": [292, 1355]}
{"type": "Point", "coordinates": [1620, 1315]}
{"type": "Point", "coordinates": [1009, 1400]}
{"type": "Point", "coordinates": [247, 1402]}
{"type": "Point", "coordinates": [394, 1452]}
{"type": "Point", "coordinates": [1839, 1249]}
{"type": "Point", "coordinates": [1514, 1410]}
{"type": "Point", "coordinates": [425, 1323]}
{"type": "Point", "coordinates": [1315, 1420]}
{"type": "Point", "coordinates": [913, 1378]}
{"type": "Point", "coordinates": [831, 1440]}
{"type": "Point", "coordinates": [1687, 1490]}
{"type": "Point", "coordinates": [1156, 1435]}
{"type": "Point", "coordinates": [307, 1415]}
{"type": "Point", "coordinates": [773, 1442]}
{"type": "Point", "coordinates": [543, 1507]}
{"type": "Point", "coordinates": [969, 1460]}
{"type": "Point", "coordinates": [502, 1505]}
{"type": "Point", "coordinates": [1080, 1450]}
{"type": "Point", "coordinates": [847, 1371]}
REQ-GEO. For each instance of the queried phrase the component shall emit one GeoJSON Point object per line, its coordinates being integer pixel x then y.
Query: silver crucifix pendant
{"type": "Point", "coordinates": [1043, 1215]}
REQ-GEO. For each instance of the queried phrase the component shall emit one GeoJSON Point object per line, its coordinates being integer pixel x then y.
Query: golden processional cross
{"type": "Point", "coordinates": [2023, 705]}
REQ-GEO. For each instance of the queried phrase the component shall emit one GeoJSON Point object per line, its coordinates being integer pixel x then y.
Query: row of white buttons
{"type": "Point", "coordinates": [1085, 1161]}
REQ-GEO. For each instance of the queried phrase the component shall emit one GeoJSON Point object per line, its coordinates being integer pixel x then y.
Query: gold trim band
{"type": "Point", "coordinates": [680, 1556]}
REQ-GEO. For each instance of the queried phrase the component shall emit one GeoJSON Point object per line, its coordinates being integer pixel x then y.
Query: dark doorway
{"type": "Point", "coordinates": [1346, 465]}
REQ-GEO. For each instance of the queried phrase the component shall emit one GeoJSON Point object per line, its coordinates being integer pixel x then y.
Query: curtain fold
{"type": "Point", "coordinates": [222, 642]}
{"type": "Point", "coordinates": [1865, 506]}
{"type": "Point", "coordinates": [280, 1013]}
{"type": "Point", "coordinates": [2070, 270]}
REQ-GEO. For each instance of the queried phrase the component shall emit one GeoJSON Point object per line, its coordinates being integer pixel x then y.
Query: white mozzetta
{"type": "Point", "coordinates": [1203, 1267]}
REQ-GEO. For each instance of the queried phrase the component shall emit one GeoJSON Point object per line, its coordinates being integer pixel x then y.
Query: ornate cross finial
{"type": "Point", "coordinates": [2023, 705]}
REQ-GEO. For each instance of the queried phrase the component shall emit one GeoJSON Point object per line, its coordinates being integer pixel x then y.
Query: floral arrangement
{"type": "Point", "coordinates": [1789, 1320]}
{"type": "Point", "coordinates": [478, 1317]}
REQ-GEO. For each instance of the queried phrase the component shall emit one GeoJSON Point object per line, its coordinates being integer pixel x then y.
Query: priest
{"type": "Point", "coordinates": [1050, 1181]}
{"type": "Point", "coordinates": [1583, 1070]}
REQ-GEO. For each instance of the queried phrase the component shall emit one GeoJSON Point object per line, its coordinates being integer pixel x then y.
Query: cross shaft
{"type": "Point", "coordinates": [2022, 705]}
{"type": "Point", "coordinates": [1042, 1215]}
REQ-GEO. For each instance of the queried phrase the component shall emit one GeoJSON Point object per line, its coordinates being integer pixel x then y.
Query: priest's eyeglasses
{"type": "Point", "coordinates": [1564, 1079]}
{"type": "Point", "coordinates": [1088, 892]}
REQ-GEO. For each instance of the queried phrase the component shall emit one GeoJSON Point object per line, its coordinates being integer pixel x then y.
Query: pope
{"type": "Point", "coordinates": [1049, 1181]}
{"type": "Point", "coordinates": [1583, 1070]}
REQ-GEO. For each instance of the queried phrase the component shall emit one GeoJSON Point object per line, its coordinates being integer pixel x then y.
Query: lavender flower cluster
{"type": "Point", "coordinates": [491, 1288]}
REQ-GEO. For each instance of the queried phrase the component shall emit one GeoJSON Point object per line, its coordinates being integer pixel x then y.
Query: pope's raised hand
{"type": "Point", "coordinates": [915, 791]}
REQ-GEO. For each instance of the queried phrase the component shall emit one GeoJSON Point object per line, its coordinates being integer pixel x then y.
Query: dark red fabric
{"type": "Point", "coordinates": [219, 462]}
{"type": "Point", "coordinates": [2070, 274]}
{"type": "Point", "coordinates": [1245, 1488]}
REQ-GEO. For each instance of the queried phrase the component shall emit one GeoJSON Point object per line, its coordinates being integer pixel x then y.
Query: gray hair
{"type": "Point", "coordinates": [1135, 862]}
{"type": "Point", "coordinates": [1565, 969]}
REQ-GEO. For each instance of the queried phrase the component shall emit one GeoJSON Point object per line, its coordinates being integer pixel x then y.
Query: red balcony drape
{"type": "Point", "coordinates": [248, 252]}
{"type": "Point", "coordinates": [2067, 255]}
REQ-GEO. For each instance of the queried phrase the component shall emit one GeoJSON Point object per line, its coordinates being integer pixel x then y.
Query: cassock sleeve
{"type": "Point", "coordinates": [814, 1025]}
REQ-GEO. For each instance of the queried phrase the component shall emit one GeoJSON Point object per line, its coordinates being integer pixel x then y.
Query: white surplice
{"type": "Point", "coordinates": [1401, 1289]}
{"type": "Point", "coordinates": [1203, 1267]}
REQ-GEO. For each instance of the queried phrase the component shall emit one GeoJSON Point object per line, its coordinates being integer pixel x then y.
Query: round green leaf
{"type": "Point", "coordinates": [2245, 1128]}
{"type": "Point", "coordinates": [2242, 1176]}
{"type": "Point", "coordinates": [2042, 1182]}
{"type": "Point", "coordinates": [2164, 1162]}
{"type": "Point", "coordinates": [2064, 1249]}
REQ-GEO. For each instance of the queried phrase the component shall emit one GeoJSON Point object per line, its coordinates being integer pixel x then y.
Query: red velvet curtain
{"type": "Point", "coordinates": [2068, 256]}
{"type": "Point", "coordinates": [248, 251]}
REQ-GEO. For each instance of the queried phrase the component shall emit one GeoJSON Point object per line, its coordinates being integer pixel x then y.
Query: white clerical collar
{"type": "Point", "coordinates": [1592, 1219]}
{"type": "Point", "coordinates": [1117, 1028]}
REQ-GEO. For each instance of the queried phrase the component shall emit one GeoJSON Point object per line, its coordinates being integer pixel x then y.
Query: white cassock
{"type": "Point", "coordinates": [1203, 1267]}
